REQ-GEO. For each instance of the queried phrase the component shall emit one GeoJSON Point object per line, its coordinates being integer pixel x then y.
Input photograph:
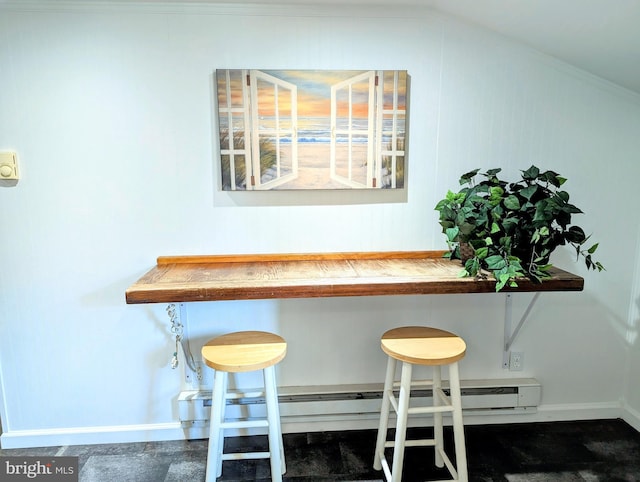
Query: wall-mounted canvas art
{"type": "Point", "coordinates": [308, 129]}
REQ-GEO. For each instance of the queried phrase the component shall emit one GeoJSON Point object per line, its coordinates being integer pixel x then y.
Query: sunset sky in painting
{"type": "Point", "coordinates": [314, 92]}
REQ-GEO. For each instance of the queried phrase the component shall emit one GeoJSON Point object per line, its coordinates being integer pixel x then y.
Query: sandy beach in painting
{"type": "Point", "coordinates": [314, 167]}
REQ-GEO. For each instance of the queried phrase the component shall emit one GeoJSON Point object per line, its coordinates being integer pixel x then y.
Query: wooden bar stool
{"type": "Point", "coordinates": [244, 351]}
{"type": "Point", "coordinates": [417, 345]}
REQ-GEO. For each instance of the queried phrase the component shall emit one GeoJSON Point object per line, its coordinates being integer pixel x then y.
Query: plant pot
{"type": "Point", "coordinates": [466, 251]}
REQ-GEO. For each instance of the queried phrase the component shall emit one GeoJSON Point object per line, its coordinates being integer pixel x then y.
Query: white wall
{"type": "Point", "coordinates": [111, 112]}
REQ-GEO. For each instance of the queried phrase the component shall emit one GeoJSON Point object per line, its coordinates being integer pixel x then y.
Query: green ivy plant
{"type": "Point", "coordinates": [511, 229]}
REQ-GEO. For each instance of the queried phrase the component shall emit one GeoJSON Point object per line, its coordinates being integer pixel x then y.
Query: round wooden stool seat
{"type": "Point", "coordinates": [244, 351]}
{"type": "Point", "coordinates": [422, 345]}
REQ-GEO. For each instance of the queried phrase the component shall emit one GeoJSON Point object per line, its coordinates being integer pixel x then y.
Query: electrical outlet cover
{"type": "Point", "coordinates": [516, 361]}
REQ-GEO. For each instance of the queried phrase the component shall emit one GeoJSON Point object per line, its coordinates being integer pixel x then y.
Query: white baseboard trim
{"type": "Point", "coordinates": [632, 417]}
{"type": "Point", "coordinates": [579, 411]}
{"type": "Point", "coordinates": [14, 439]}
{"type": "Point", "coordinates": [175, 431]}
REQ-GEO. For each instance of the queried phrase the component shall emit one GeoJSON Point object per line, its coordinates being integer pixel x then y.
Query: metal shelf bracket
{"type": "Point", "coordinates": [509, 335]}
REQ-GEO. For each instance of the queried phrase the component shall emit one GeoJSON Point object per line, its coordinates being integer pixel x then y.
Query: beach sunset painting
{"type": "Point", "coordinates": [312, 129]}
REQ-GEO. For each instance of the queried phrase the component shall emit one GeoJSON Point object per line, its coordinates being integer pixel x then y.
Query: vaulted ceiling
{"type": "Point", "coordinates": [599, 36]}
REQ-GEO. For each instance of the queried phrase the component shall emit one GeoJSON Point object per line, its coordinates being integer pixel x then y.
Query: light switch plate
{"type": "Point", "coordinates": [8, 165]}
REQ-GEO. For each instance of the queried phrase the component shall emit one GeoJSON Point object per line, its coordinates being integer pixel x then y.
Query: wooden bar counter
{"type": "Point", "coordinates": [246, 277]}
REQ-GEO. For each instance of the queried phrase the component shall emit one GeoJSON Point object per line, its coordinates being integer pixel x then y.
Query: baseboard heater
{"type": "Point", "coordinates": [343, 402]}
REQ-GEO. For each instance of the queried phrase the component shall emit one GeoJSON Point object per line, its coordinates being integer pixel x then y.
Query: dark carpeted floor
{"type": "Point", "coordinates": [602, 450]}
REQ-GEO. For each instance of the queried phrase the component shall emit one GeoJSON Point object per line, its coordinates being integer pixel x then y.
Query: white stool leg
{"type": "Point", "coordinates": [437, 416]}
{"type": "Point", "coordinates": [279, 426]}
{"type": "Point", "coordinates": [458, 427]}
{"type": "Point", "coordinates": [275, 440]}
{"type": "Point", "coordinates": [387, 392]}
{"type": "Point", "coordinates": [225, 392]}
{"type": "Point", "coordinates": [401, 425]}
{"type": "Point", "coordinates": [216, 438]}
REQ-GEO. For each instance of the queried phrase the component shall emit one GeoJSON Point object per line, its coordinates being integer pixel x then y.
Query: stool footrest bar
{"type": "Point", "coordinates": [416, 384]}
{"type": "Point", "coordinates": [245, 424]}
{"type": "Point", "coordinates": [246, 455]}
{"type": "Point", "coordinates": [412, 443]}
{"type": "Point", "coordinates": [414, 410]}
{"type": "Point", "coordinates": [439, 409]}
{"type": "Point", "coordinates": [239, 395]}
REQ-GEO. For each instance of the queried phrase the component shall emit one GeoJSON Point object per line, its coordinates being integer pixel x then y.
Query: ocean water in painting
{"type": "Point", "coordinates": [318, 129]}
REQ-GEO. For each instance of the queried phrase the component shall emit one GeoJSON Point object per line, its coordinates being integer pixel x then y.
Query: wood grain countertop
{"type": "Point", "coordinates": [314, 275]}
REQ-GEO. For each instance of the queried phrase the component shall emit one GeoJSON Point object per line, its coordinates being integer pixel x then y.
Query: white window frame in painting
{"type": "Point", "coordinates": [350, 132]}
{"type": "Point", "coordinates": [278, 132]}
{"type": "Point", "coordinates": [395, 112]}
{"type": "Point", "coordinates": [230, 112]}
